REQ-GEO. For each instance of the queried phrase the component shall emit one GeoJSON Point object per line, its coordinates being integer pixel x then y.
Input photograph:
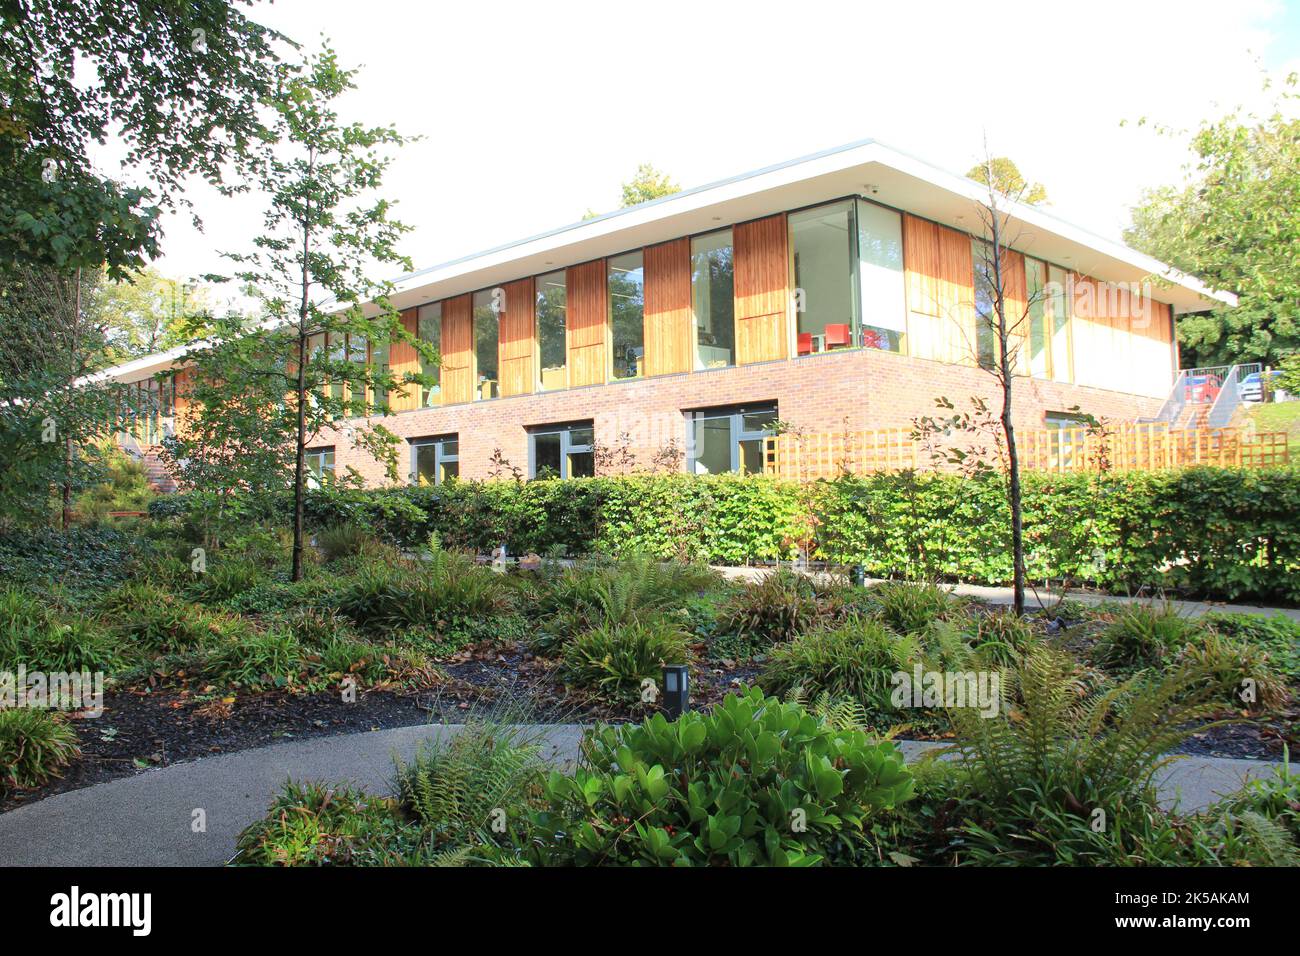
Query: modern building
{"type": "Point", "coordinates": [839, 291]}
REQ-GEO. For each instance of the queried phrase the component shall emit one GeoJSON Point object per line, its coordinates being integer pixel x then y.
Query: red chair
{"type": "Point", "coordinates": [805, 343]}
{"type": "Point", "coordinates": [837, 336]}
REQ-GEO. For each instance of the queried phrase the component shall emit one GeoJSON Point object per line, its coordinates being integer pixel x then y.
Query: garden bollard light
{"type": "Point", "coordinates": [676, 690]}
{"type": "Point", "coordinates": [858, 575]}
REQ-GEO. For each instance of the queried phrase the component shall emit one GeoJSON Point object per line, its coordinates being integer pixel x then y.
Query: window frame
{"type": "Point", "coordinates": [567, 446]}
{"type": "Point", "coordinates": [440, 456]}
{"type": "Point", "coordinates": [317, 474]}
{"type": "Point", "coordinates": [736, 416]}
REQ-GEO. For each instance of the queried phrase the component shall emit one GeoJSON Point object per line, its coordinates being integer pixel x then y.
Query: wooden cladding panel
{"type": "Point", "coordinates": [669, 322]}
{"type": "Point", "coordinates": [457, 350]}
{"type": "Point", "coordinates": [940, 292]}
{"type": "Point", "coordinates": [762, 293]}
{"type": "Point", "coordinates": [404, 360]}
{"type": "Point", "coordinates": [586, 324]}
{"type": "Point", "coordinates": [516, 348]}
{"type": "Point", "coordinates": [1121, 338]}
{"type": "Point", "coordinates": [1016, 293]}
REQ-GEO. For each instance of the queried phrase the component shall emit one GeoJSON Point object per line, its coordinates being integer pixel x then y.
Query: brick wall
{"type": "Point", "coordinates": [820, 393]}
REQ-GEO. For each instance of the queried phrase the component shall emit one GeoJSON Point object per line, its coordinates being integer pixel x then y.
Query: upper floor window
{"type": "Point", "coordinates": [986, 320]}
{"type": "Point", "coordinates": [552, 341]}
{"type": "Point", "coordinates": [429, 329]}
{"type": "Point", "coordinates": [320, 466]}
{"type": "Point", "coordinates": [487, 313]}
{"type": "Point", "coordinates": [721, 440]}
{"type": "Point", "coordinates": [435, 460]}
{"type": "Point", "coordinates": [1039, 339]}
{"type": "Point", "coordinates": [379, 366]}
{"type": "Point", "coordinates": [626, 284]}
{"type": "Point", "coordinates": [821, 253]}
{"type": "Point", "coordinates": [713, 299]}
{"type": "Point", "coordinates": [882, 297]}
{"type": "Point", "coordinates": [1058, 310]}
{"type": "Point", "coordinates": [562, 451]}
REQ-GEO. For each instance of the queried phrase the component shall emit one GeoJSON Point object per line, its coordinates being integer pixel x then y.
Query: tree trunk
{"type": "Point", "coordinates": [1013, 499]}
{"type": "Point", "coordinates": [300, 452]}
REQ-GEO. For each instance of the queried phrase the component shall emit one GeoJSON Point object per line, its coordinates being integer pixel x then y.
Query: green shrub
{"type": "Point", "coordinates": [612, 660]}
{"type": "Point", "coordinates": [167, 626]}
{"type": "Point", "coordinates": [224, 579]}
{"type": "Point", "coordinates": [468, 787]}
{"type": "Point", "coordinates": [1279, 635]}
{"type": "Point", "coordinates": [911, 608]}
{"type": "Point", "coordinates": [34, 634]}
{"type": "Point", "coordinates": [1241, 674]}
{"type": "Point", "coordinates": [1143, 636]}
{"type": "Point", "coordinates": [1063, 780]}
{"type": "Point", "coordinates": [257, 660]}
{"type": "Point", "coordinates": [314, 627]}
{"type": "Point", "coordinates": [663, 793]}
{"type": "Point", "coordinates": [449, 594]}
{"type": "Point", "coordinates": [1002, 638]}
{"type": "Point", "coordinates": [35, 746]}
{"type": "Point", "coordinates": [343, 541]}
{"type": "Point", "coordinates": [311, 824]}
{"type": "Point", "coordinates": [776, 608]}
{"type": "Point", "coordinates": [857, 659]}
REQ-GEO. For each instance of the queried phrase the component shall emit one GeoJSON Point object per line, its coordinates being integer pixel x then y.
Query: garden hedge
{"type": "Point", "coordinates": [1220, 533]}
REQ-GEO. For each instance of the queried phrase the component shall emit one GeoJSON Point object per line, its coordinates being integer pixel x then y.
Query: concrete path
{"type": "Point", "coordinates": [996, 595]}
{"type": "Point", "coordinates": [147, 820]}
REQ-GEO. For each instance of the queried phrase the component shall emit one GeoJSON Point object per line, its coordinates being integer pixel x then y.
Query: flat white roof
{"type": "Point", "coordinates": [866, 168]}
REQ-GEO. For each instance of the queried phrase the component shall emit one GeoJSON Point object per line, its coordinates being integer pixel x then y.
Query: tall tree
{"type": "Point", "coordinates": [51, 338]}
{"type": "Point", "coordinates": [1003, 175]}
{"type": "Point", "coordinates": [325, 230]}
{"type": "Point", "coordinates": [148, 312]}
{"type": "Point", "coordinates": [179, 83]}
{"type": "Point", "coordinates": [647, 183]}
{"type": "Point", "coordinates": [1235, 224]}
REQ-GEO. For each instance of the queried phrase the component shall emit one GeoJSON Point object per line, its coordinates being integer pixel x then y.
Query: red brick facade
{"type": "Point", "coordinates": [820, 393]}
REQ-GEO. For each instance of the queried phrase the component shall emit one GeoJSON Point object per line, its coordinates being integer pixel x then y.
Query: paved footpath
{"type": "Point", "coordinates": [146, 820]}
{"type": "Point", "coordinates": [1033, 601]}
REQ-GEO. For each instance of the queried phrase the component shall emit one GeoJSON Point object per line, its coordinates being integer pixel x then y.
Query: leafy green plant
{"type": "Point", "coordinates": [1241, 674]}
{"type": "Point", "coordinates": [1143, 636]}
{"type": "Point", "coordinates": [910, 608]}
{"type": "Point", "coordinates": [224, 579]}
{"type": "Point", "coordinates": [259, 660]}
{"type": "Point", "coordinates": [343, 541]}
{"type": "Point", "coordinates": [1002, 638]}
{"type": "Point", "coordinates": [613, 659]}
{"type": "Point", "coordinates": [166, 625]}
{"type": "Point", "coordinates": [1279, 635]}
{"type": "Point", "coordinates": [1058, 777]}
{"type": "Point", "coordinates": [673, 793]}
{"type": "Point", "coordinates": [856, 659]}
{"type": "Point", "coordinates": [34, 634]}
{"type": "Point", "coordinates": [776, 608]}
{"type": "Point", "coordinates": [35, 746]}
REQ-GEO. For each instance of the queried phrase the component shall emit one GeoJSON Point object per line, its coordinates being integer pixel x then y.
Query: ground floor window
{"type": "Point", "coordinates": [728, 439]}
{"type": "Point", "coordinates": [1066, 434]}
{"type": "Point", "coordinates": [320, 466]}
{"type": "Point", "coordinates": [562, 451]}
{"type": "Point", "coordinates": [435, 460]}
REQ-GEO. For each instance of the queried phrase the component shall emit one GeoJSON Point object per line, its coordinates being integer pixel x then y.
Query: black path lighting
{"type": "Point", "coordinates": [677, 695]}
{"type": "Point", "coordinates": [858, 575]}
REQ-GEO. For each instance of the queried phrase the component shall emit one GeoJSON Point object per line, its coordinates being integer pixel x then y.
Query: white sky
{"type": "Point", "coordinates": [534, 112]}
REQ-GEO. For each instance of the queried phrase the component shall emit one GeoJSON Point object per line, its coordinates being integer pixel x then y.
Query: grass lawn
{"type": "Point", "coordinates": [1279, 417]}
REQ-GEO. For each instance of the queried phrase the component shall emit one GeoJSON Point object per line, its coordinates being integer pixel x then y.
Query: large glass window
{"type": "Point", "coordinates": [1040, 343]}
{"type": "Point", "coordinates": [1058, 307]}
{"type": "Point", "coordinates": [713, 298]}
{"type": "Point", "coordinates": [821, 252]}
{"type": "Point", "coordinates": [435, 460]}
{"type": "Point", "coordinates": [985, 318]}
{"type": "Point", "coordinates": [358, 354]}
{"type": "Point", "coordinates": [552, 343]}
{"type": "Point", "coordinates": [338, 352]}
{"type": "Point", "coordinates": [626, 284]}
{"type": "Point", "coordinates": [379, 366]}
{"type": "Point", "coordinates": [487, 314]}
{"type": "Point", "coordinates": [320, 466]}
{"type": "Point", "coordinates": [429, 329]}
{"type": "Point", "coordinates": [728, 439]}
{"type": "Point", "coordinates": [882, 303]}
{"type": "Point", "coordinates": [562, 451]}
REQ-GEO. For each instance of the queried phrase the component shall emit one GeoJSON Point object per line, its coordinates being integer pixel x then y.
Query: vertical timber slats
{"type": "Point", "coordinates": [404, 360]}
{"type": "Point", "coordinates": [516, 351]}
{"type": "Point", "coordinates": [586, 320]}
{"type": "Point", "coordinates": [669, 322]}
{"type": "Point", "coordinates": [940, 291]}
{"type": "Point", "coordinates": [457, 350]}
{"type": "Point", "coordinates": [762, 296]}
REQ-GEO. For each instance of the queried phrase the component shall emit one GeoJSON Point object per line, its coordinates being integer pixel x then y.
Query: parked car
{"type": "Point", "coordinates": [1201, 389]}
{"type": "Point", "coordinates": [1251, 388]}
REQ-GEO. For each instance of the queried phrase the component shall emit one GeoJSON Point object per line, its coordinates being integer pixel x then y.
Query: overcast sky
{"type": "Point", "coordinates": [534, 112]}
